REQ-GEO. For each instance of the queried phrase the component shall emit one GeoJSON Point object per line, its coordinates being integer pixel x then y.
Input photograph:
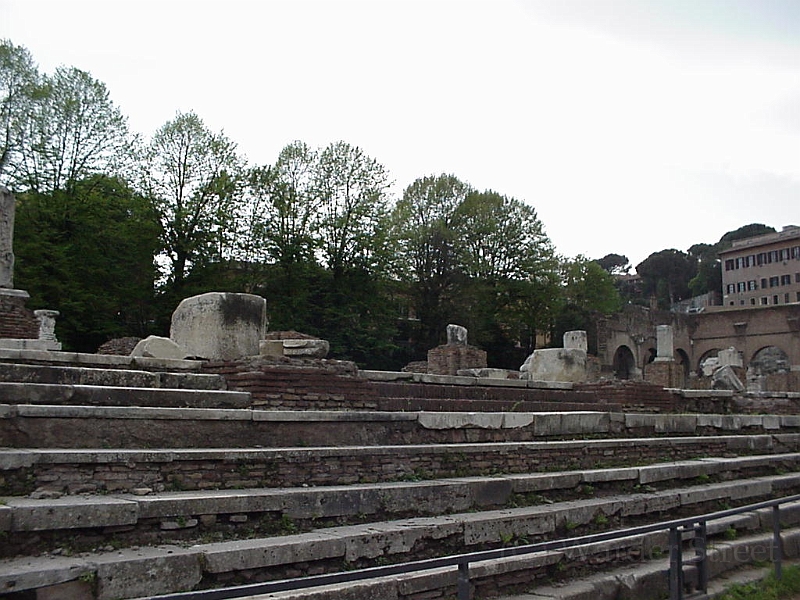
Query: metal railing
{"type": "Point", "coordinates": [677, 528]}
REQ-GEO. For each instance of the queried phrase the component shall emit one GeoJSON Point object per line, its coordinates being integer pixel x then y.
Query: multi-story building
{"type": "Point", "coordinates": [762, 270]}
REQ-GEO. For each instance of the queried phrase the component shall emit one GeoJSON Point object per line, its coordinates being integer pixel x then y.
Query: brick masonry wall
{"type": "Point", "coordinates": [299, 385]}
{"type": "Point", "coordinates": [294, 384]}
{"type": "Point", "coordinates": [16, 321]}
{"type": "Point", "coordinates": [668, 374]}
{"type": "Point", "coordinates": [331, 468]}
{"type": "Point", "coordinates": [451, 358]}
{"type": "Point", "coordinates": [635, 394]}
{"type": "Point", "coordinates": [335, 385]}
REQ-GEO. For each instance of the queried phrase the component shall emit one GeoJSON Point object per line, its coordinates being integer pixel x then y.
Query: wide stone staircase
{"type": "Point", "coordinates": [128, 478]}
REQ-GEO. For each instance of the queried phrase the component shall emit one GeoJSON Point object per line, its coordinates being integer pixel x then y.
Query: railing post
{"type": "Point", "coordinates": [675, 565]}
{"type": "Point", "coordinates": [700, 551]}
{"type": "Point", "coordinates": [463, 581]}
{"type": "Point", "coordinates": [777, 546]}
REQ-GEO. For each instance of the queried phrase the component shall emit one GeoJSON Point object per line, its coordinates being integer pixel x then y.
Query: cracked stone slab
{"type": "Point", "coordinates": [70, 512]}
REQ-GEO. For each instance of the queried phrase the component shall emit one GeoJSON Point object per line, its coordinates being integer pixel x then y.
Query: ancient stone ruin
{"type": "Point", "coordinates": [569, 364]}
{"type": "Point", "coordinates": [7, 211]}
{"type": "Point", "coordinates": [456, 355]}
{"type": "Point", "coordinates": [219, 325]}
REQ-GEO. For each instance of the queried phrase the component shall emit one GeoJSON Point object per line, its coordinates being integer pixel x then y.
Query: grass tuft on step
{"type": "Point", "coordinates": [769, 588]}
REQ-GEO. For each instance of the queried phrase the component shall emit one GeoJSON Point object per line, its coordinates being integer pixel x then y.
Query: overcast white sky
{"type": "Point", "coordinates": [631, 126]}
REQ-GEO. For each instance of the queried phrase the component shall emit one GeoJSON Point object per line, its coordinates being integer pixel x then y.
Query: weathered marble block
{"type": "Point", "coordinates": [220, 325]}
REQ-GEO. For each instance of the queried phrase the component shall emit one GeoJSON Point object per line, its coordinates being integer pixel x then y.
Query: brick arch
{"type": "Point", "coordinates": [682, 358]}
{"type": "Point", "coordinates": [770, 359]}
{"type": "Point", "coordinates": [624, 363]}
{"type": "Point", "coordinates": [710, 353]}
{"type": "Point", "coordinates": [649, 355]}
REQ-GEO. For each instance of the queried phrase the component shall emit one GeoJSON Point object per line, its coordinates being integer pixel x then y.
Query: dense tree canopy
{"type": "Point", "coordinates": [666, 275]}
{"type": "Point", "coordinates": [479, 259]}
{"type": "Point", "coordinates": [616, 264]}
{"type": "Point", "coordinates": [425, 238]}
{"type": "Point", "coordinates": [746, 231]}
{"type": "Point", "coordinates": [88, 253]}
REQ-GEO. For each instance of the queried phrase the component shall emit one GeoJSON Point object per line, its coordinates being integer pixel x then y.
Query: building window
{"type": "Point", "coordinates": [729, 264]}
{"type": "Point", "coordinates": [786, 298]}
{"type": "Point", "coordinates": [786, 280]}
{"type": "Point", "coordinates": [775, 299]}
{"type": "Point", "coordinates": [797, 277]}
{"type": "Point", "coordinates": [763, 283]}
{"type": "Point", "coordinates": [764, 300]}
{"type": "Point", "coordinates": [752, 285]}
{"type": "Point", "coordinates": [774, 281]}
{"type": "Point", "coordinates": [753, 301]}
{"type": "Point", "coordinates": [731, 288]}
{"type": "Point", "coordinates": [796, 252]}
{"type": "Point", "coordinates": [740, 287]}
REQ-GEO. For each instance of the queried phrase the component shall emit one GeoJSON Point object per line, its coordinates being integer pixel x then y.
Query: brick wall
{"type": "Point", "coordinates": [342, 467]}
{"type": "Point", "coordinates": [298, 385]}
{"type": "Point", "coordinates": [668, 374]}
{"type": "Point", "coordinates": [451, 358]}
{"type": "Point", "coordinates": [16, 321]}
{"type": "Point", "coordinates": [635, 394]}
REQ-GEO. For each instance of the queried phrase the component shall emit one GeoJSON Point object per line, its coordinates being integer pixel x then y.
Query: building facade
{"type": "Point", "coordinates": [762, 270]}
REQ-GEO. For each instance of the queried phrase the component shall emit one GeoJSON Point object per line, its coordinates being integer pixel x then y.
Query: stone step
{"type": "Point", "coordinates": [141, 418]}
{"type": "Point", "coordinates": [78, 520]}
{"type": "Point", "coordinates": [48, 357]}
{"type": "Point", "coordinates": [547, 577]}
{"type": "Point", "coordinates": [735, 563]}
{"type": "Point", "coordinates": [120, 377]}
{"type": "Point", "coordinates": [12, 393]}
{"type": "Point", "coordinates": [144, 571]}
{"type": "Point", "coordinates": [487, 405]}
{"type": "Point", "coordinates": [23, 471]}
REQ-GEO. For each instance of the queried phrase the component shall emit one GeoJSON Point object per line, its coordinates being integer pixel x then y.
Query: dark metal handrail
{"type": "Point", "coordinates": [676, 527]}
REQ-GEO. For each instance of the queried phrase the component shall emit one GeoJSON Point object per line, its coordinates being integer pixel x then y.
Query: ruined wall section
{"type": "Point", "coordinates": [16, 321]}
{"type": "Point", "coordinates": [295, 384]}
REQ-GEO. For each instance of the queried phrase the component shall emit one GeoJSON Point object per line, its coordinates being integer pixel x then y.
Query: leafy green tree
{"type": "Point", "coordinates": [424, 237]}
{"type": "Point", "coordinates": [666, 275]}
{"type": "Point", "coordinates": [615, 264]}
{"type": "Point", "coordinates": [502, 255]}
{"type": "Point", "coordinates": [500, 238]}
{"type": "Point", "coordinates": [194, 177]}
{"type": "Point", "coordinates": [744, 232]}
{"type": "Point", "coordinates": [285, 213]}
{"type": "Point", "coordinates": [587, 289]}
{"type": "Point", "coordinates": [709, 270]}
{"type": "Point", "coordinates": [72, 131]}
{"type": "Point", "coordinates": [19, 88]}
{"type": "Point", "coordinates": [352, 189]}
{"type": "Point", "coordinates": [89, 254]}
{"type": "Point", "coordinates": [479, 259]}
{"type": "Point", "coordinates": [286, 207]}
{"type": "Point", "coordinates": [319, 217]}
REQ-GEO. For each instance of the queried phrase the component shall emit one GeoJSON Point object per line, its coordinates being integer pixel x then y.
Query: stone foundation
{"type": "Point", "coordinates": [667, 374]}
{"type": "Point", "coordinates": [452, 358]}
